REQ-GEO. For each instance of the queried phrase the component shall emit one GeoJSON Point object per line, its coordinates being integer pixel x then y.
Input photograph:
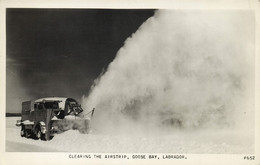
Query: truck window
{"type": "Point", "coordinates": [51, 105]}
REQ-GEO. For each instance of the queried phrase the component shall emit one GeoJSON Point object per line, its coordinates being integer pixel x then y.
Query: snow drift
{"type": "Point", "coordinates": [83, 126]}
{"type": "Point", "coordinates": [185, 70]}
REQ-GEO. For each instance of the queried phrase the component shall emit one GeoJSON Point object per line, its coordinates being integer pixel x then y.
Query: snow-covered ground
{"type": "Point", "coordinates": [199, 142]}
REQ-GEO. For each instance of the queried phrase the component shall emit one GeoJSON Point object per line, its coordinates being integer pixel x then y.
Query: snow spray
{"type": "Point", "coordinates": [180, 69]}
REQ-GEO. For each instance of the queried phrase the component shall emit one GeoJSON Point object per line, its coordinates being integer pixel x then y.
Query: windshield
{"type": "Point", "coordinates": [51, 105]}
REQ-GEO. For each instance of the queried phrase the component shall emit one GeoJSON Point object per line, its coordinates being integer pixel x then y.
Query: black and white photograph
{"type": "Point", "coordinates": [139, 81]}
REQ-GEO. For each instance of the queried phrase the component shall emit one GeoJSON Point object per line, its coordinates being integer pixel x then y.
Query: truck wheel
{"type": "Point", "coordinates": [26, 133]}
{"type": "Point", "coordinates": [39, 134]}
{"type": "Point", "coordinates": [43, 137]}
{"type": "Point", "coordinates": [22, 133]}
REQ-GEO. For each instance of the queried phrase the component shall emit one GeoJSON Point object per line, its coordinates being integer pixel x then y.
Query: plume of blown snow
{"type": "Point", "coordinates": [183, 70]}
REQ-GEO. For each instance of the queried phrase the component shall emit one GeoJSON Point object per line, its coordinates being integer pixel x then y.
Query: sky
{"type": "Point", "coordinates": [60, 52]}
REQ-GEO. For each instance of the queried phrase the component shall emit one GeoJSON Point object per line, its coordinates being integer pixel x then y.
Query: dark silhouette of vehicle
{"type": "Point", "coordinates": [38, 117]}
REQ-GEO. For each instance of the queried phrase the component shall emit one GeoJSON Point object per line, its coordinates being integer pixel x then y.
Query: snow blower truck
{"type": "Point", "coordinates": [43, 118]}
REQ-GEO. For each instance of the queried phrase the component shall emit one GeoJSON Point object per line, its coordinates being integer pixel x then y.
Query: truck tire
{"type": "Point", "coordinates": [26, 133]}
{"type": "Point", "coordinates": [43, 137]}
{"type": "Point", "coordinates": [22, 133]}
{"type": "Point", "coordinates": [39, 134]}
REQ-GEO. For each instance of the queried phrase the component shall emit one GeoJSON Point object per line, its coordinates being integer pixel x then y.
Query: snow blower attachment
{"type": "Point", "coordinates": [42, 118]}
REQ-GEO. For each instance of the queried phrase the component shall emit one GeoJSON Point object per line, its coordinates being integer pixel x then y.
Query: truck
{"type": "Point", "coordinates": [41, 118]}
